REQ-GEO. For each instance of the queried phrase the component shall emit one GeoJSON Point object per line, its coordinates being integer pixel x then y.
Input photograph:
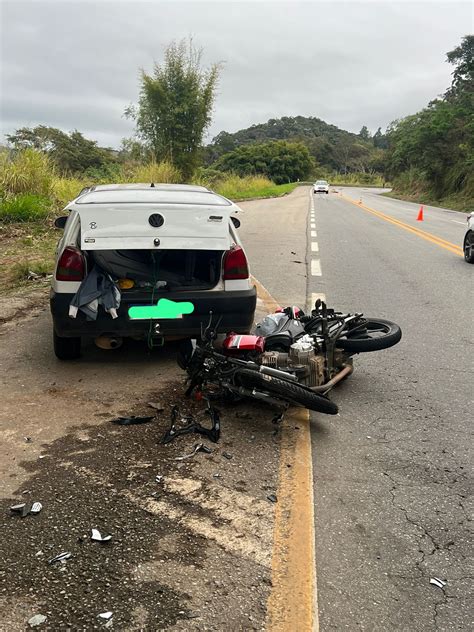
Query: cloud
{"type": "Point", "coordinates": [76, 64]}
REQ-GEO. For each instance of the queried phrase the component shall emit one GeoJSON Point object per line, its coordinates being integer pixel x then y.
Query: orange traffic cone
{"type": "Point", "coordinates": [420, 214]}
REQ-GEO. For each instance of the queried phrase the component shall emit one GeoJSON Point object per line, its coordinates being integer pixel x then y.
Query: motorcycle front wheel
{"type": "Point", "coordinates": [374, 335]}
{"type": "Point", "coordinates": [289, 391]}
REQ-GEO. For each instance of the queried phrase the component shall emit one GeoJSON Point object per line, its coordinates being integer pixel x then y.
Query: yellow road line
{"type": "Point", "coordinates": [443, 243]}
{"type": "Point", "coordinates": [292, 605]}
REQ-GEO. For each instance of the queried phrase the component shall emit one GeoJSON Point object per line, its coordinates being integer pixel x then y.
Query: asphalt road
{"type": "Point", "coordinates": [392, 473]}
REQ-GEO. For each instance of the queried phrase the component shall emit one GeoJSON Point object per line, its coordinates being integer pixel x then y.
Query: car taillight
{"type": "Point", "coordinates": [235, 264]}
{"type": "Point", "coordinates": [71, 266]}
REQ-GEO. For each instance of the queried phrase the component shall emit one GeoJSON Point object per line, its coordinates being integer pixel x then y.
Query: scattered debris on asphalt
{"type": "Point", "coordinates": [226, 455]}
{"type": "Point", "coordinates": [272, 498]}
{"type": "Point", "coordinates": [156, 406]}
{"type": "Point", "coordinates": [131, 421]}
{"type": "Point", "coordinates": [24, 509]}
{"type": "Point", "coordinates": [62, 557]}
{"type": "Point", "coordinates": [105, 615]}
{"type": "Point", "coordinates": [28, 439]}
{"type": "Point", "coordinates": [198, 447]}
{"type": "Point", "coordinates": [159, 478]}
{"type": "Point", "coordinates": [98, 537]}
{"type": "Point", "coordinates": [436, 581]}
{"type": "Point", "coordinates": [192, 425]}
{"type": "Point", "coordinates": [38, 619]}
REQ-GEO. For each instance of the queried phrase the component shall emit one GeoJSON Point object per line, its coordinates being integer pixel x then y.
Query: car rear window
{"type": "Point", "coordinates": [153, 196]}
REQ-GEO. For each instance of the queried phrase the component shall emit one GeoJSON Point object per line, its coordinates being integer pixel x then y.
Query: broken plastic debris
{"type": "Point", "coordinates": [105, 615]}
{"type": "Point", "coordinates": [38, 619]}
{"type": "Point", "coordinates": [436, 581]}
{"type": "Point", "coordinates": [192, 425]}
{"type": "Point", "coordinates": [156, 406]}
{"type": "Point", "coordinates": [198, 447]}
{"type": "Point", "coordinates": [226, 455]}
{"type": "Point", "coordinates": [272, 498]}
{"type": "Point", "coordinates": [130, 421]}
{"type": "Point", "coordinates": [28, 439]}
{"type": "Point", "coordinates": [98, 537]}
{"type": "Point", "coordinates": [26, 508]}
{"type": "Point", "coordinates": [159, 478]}
{"type": "Point", "coordinates": [62, 557]}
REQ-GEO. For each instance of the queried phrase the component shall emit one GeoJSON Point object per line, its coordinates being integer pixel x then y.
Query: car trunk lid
{"type": "Point", "coordinates": [154, 227]}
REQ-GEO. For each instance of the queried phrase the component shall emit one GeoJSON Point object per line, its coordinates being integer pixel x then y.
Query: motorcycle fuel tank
{"type": "Point", "coordinates": [235, 344]}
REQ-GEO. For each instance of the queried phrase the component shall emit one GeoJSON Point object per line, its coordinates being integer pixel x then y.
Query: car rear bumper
{"type": "Point", "coordinates": [236, 308]}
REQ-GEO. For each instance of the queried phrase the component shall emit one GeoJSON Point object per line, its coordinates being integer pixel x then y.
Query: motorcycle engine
{"type": "Point", "coordinates": [300, 360]}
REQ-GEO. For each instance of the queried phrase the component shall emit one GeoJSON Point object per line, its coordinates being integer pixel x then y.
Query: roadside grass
{"type": "Point", "coordinates": [459, 202]}
{"type": "Point", "coordinates": [251, 187]}
{"type": "Point", "coordinates": [24, 248]}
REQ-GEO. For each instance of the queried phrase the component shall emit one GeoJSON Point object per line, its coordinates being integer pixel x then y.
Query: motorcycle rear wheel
{"type": "Point", "coordinates": [288, 391]}
{"type": "Point", "coordinates": [377, 334]}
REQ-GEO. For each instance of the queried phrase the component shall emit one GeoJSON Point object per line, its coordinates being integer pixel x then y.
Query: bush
{"type": "Point", "coordinates": [27, 171]}
{"type": "Point", "coordinates": [23, 208]}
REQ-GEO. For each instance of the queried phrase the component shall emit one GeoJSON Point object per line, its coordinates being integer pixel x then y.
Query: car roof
{"type": "Point", "coordinates": [138, 186]}
{"type": "Point", "coordinates": [112, 194]}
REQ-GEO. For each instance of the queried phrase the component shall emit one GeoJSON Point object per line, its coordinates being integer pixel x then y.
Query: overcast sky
{"type": "Point", "coordinates": [75, 65]}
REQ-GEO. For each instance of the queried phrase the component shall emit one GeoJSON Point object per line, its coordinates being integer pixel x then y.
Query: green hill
{"type": "Point", "coordinates": [333, 148]}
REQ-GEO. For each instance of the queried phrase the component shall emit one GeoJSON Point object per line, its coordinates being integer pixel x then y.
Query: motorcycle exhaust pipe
{"type": "Point", "coordinates": [266, 370]}
{"type": "Point", "coordinates": [108, 342]}
{"type": "Point", "coordinates": [324, 388]}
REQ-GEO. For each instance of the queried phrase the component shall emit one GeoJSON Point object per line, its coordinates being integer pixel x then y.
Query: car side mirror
{"type": "Point", "coordinates": [60, 222]}
{"type": "Point", "coordinates": [235, 221]}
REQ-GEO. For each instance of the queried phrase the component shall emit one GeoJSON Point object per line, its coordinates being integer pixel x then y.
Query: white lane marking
{"type": "Point", "coordinates": [314, 246]}
{"type": "Point", "coordinates": [316, 267]}
{"type": "Point", "coordinates": [313, 216]}
{"type": "Point", "coordinates": [456, 222]}
{"type": "Point", "coordinates": [313, 225]}
{"type": "Point", "coordinates": [314, 233]}
{"type": "Point", "coordinates": [311, 200]}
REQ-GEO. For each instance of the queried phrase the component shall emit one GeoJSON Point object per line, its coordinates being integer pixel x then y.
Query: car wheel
{"type": "Point", "coordinates": [66, 348]}
{"type": "Point", "coordinates": [327, 192]}
{"type": "Point", "coordinates": [469, 247]}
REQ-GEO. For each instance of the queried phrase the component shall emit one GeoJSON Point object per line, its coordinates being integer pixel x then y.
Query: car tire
{"type": "Point", "coordinates": [66, 348]}
{"type": "Point", "coordinates": [468, 247]}
{"type": "Point", "coordinates": [327, 192]}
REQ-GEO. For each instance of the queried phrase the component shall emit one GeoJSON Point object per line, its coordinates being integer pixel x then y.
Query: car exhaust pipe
{"type": "Point", "coordinates": [108, 342]}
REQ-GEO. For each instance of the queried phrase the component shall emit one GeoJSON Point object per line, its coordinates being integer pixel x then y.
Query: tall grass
{"type": "Point", "coordinates": [27, 171]}
{"type": "Point", "coordinates": [163, 172]}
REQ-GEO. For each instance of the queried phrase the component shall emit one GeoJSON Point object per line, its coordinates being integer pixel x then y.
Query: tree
{"type": "Point", "coordinates": [175, 106]}
{"type": "Point", "coordinates": [280, 161]}
{"type": "Point", "coordinates": [463, 74]}
{"type": "Point", "coordinates": [364, 133]}
{"type": "Point", "coordinates": [71, 153]}
{"type": "Point", "coordinates": [379, 140]}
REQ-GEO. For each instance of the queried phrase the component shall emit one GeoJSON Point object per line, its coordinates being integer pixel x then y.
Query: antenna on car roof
{"type": "Point", "coordinates": [152, 184]}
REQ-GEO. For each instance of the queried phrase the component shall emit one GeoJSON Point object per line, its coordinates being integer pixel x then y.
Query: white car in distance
{"type": "Point", "coordinates": [321, 186]}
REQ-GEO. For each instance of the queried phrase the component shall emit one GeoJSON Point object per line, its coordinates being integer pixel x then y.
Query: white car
{"type": "Point", "coordinates": [154, 260]}
{"type": "Point", "coordinates": [468, 245]}
{"type": "Point", "coordinates": [321, 186]}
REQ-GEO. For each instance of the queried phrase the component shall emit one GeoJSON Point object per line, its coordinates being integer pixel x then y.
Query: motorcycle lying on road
{"type": "Point", "coordinates": [293, 358]}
